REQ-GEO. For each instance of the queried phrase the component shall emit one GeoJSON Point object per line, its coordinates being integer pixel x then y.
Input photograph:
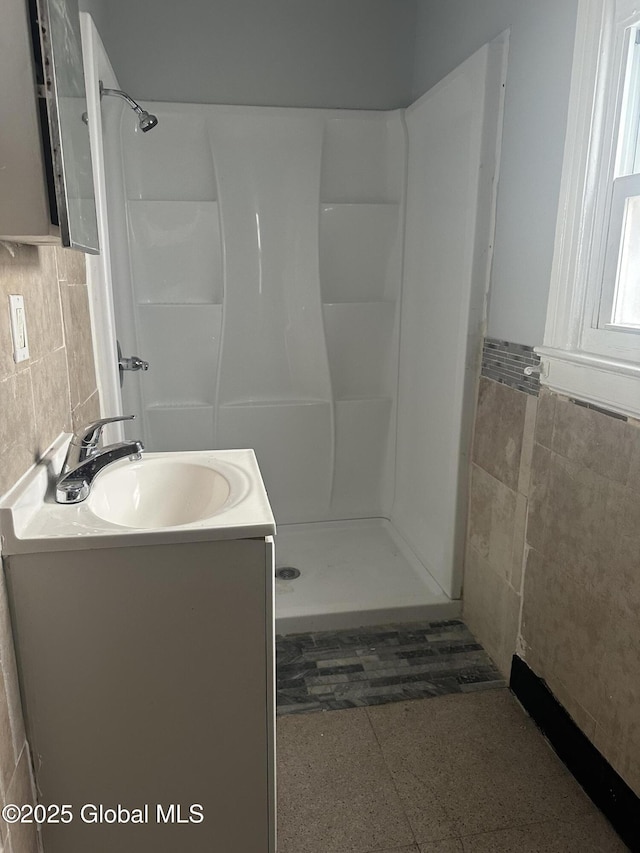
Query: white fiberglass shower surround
{"type": "Point", "coordinates": [310, 283]}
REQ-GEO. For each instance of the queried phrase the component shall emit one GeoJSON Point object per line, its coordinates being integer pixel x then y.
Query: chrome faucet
{"type": "Point", "coordinates": [85, 459]}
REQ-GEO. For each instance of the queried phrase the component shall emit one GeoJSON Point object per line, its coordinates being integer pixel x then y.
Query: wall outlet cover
{"type": "Point", "coordinates": [18, 328]}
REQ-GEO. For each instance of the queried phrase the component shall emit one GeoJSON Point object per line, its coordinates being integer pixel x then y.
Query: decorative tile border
{"type": "Point", "coordinates": [505, 362]}
{"type": "Point", "coordinates": [602, 411]}
{"type": "Point", "coordinates": [333, 670]}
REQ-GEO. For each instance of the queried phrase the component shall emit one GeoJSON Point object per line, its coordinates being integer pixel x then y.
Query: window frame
{"type": "Point", "coordinates": [599, 364]}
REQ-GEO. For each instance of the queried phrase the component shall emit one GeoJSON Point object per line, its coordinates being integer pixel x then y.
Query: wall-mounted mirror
{"type": "Point", "coordinates": [62, 94]}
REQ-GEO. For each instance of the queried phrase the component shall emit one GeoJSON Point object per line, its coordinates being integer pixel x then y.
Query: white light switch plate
{"type": "Point", "coordinates": [18, 328]}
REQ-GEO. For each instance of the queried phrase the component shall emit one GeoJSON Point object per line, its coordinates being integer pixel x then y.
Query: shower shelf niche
{"type": "Point", "coordinates": [181, 343]}
{"type": "Point", "coordinates": [193, 422]}
{"type": "Point", "coordinates": [362, 159]}
{"type": "Point", "coordinates": [182, 147]}
{"type": "Point", "coordinates": [164, 265]}
{"type": "Point", "coordinates": [359, 252]}
{"type": "Point", "coordinates": [360, 346]}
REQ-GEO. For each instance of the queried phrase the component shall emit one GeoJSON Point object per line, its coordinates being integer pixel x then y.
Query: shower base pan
{"type": "Point", "coordinates": [352, 573]}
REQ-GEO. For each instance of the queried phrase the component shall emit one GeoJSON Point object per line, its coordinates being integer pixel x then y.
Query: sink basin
{"type": "Point", "coordinates": [157, 492]}
{"type": "Point", "coordinates": [182, 496]}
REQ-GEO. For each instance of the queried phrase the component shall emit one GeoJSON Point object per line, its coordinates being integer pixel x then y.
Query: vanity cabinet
{"type": "Point", "coordinates": [147, 676]}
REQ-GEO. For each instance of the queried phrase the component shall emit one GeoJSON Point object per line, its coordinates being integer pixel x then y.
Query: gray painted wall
{"type": "Point", "coordinates": [308, 53]}
{"type": "Point", "coordinates": [538, 79]}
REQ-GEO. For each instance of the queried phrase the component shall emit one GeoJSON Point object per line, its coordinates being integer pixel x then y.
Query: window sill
{"type": "Point", "coordinates": [604, 382]}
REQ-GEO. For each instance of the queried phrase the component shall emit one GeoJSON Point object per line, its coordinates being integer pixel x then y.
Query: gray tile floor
{"type": "Point", "coordinates": [372, 666]}
{"type": "Point", "coordinates": [462, 773]}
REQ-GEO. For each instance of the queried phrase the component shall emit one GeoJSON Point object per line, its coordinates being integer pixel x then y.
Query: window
{"type": "Point", "coordinates": [592, 338]}
{"type": "Point", "coordinates": [620, 294]}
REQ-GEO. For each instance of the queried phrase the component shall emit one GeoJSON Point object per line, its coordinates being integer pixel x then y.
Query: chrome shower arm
{"type": "Point", "coordinates": [120, 94]}
{"type": "Point", "coordinates": [146, 120]}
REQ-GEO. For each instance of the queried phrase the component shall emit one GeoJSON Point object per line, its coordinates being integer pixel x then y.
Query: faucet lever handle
{"type": "Point", "coordinates": [89, 435]}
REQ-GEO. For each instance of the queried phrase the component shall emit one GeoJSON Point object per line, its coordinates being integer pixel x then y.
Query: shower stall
{"type": "Point", "coordinates": [310, 283]}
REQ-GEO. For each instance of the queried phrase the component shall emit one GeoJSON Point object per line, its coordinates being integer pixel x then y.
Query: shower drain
{"type": "Point", "coordinates": [287, 573]}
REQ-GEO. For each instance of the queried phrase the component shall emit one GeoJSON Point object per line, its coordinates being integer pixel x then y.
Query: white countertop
{"type": "Point", "coordinates": [32, 522]}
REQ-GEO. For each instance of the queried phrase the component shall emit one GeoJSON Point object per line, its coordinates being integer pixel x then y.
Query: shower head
{"type": "Point", "coordinates": [146, 121]}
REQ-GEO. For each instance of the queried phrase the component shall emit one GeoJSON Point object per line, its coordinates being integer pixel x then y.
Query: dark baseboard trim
{"type": "Point", "coordinates": [609, 792]}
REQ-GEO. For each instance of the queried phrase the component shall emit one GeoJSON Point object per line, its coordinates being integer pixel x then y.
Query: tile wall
{"type": "Point", "coordinates": [498, 504]}
{"type": "Point", "coordinates": [51, 392]}
{"type": "Point", "coordinates": [553, 556]}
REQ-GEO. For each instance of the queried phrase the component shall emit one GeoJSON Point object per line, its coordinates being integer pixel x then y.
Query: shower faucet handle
{"type": "Point", "coordinates": [132, 362]}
